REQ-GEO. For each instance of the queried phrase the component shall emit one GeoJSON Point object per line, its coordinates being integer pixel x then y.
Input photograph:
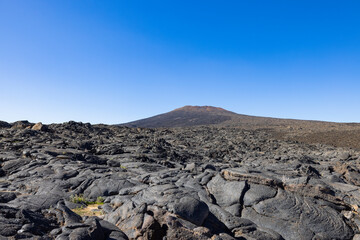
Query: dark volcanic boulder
{"type": "Point", "coordinates": [106, 187]}
{"type": "Point", "coordinates": [35, 202]}
{"type": "Point", "coordinates": [21, 124]}
{"type": "Point", "coordinates": [14, 165]}
{"type": "Point", "coordinates": [296, 217]}
{"type": "Point", "coordinates": [111, 149]}
{"type": "Point", "coordinates": [258, 193]}
{"type": "Point", "coordinates": [92, 230]}
{"type": "Point", "coordinates": [4, 124]}
{"type": "Point", "coordinates": [113, 232]}
{"type": "Point", "coordinates": [191, 209]}
{"type": "Point", "coordinates": [13, 221]}
{"type": "Point", "coordinates": [225, 192]}
{"type": "Point", "coordinates": [65, 216]}
{"type": "Point", "coordinates": [8, 221]}
{"type": "Point", "coordinates": [7, 196]}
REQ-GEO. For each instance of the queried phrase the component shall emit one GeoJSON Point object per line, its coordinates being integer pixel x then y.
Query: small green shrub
{"type": "Point", "coordinates": [100, 200]}
{"type": "Point", "coordinates": [78, 198]}
{"type": "Point", "coordinates": [81, 199]}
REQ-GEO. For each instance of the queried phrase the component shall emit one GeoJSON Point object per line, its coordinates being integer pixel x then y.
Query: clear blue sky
{"type": "Point", "coordinates": [117, 61]}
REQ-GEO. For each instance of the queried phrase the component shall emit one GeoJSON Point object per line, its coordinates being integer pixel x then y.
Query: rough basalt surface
{"type": "Point", "coordinates": [181, 183]}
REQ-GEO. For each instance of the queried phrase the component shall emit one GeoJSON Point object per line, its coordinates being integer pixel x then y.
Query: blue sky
{"type": "Point", "coordinates": [117, 61]}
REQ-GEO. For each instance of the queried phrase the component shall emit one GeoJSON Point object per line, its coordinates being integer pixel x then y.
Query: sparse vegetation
{"type": "Point", "coordinates": [100, 200]}
{"type": "Point", "coordinates": [81, 199]}
{"type": "Point", "coordinates": [90, 210]}
{"type": "Point", "coordinates": [78, 199]}
{"type": "Point", "coordinates": [123, 167]}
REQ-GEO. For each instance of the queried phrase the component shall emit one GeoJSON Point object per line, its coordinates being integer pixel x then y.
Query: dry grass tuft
{"type": "Point", "coordinates": [90, 211]}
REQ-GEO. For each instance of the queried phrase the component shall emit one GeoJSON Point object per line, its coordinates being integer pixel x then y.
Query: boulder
{"type": "Point", "coordinates": [191, 209]}
{"type": "Point", "coordinates": [39, 127]}
{"type": "Point", "coordinates": [4, 124]}
{"type": "Point", "coordinates": [296, 217]}
{"type": "Point", "coordinates": [105, 187]}
{"type": "Point", "coordinates": [7, 196]}
{"type": "Point", "coordinates": [225, 192]}
{"type": "Point", "coordinates": [21, 124]}
{"type": "Point", "coordinates": [257, 193]}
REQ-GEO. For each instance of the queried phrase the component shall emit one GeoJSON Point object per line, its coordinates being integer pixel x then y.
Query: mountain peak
{"type": "Point", "coordinates": [186, 116]}
{"type": "Point", "coordinates": [189, 108]}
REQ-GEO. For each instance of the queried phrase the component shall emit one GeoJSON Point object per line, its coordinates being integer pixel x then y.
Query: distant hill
{"type": "Point", "coordinates": [313, 132]}
{"type": "Point", "coordinates": [188, 116]}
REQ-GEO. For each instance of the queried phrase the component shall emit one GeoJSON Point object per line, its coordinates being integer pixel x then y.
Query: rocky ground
{"type": "Point", "coordinates": [181, 183]}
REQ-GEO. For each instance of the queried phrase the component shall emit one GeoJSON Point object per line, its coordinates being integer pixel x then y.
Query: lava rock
{"type": "Point", "coordinates": [191, 209]}
{"type": "Point", "coordinates": [225, 192]}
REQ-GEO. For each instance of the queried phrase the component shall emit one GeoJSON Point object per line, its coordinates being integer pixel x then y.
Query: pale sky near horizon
{"type": "Point", "coordinates": [119, 61]}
